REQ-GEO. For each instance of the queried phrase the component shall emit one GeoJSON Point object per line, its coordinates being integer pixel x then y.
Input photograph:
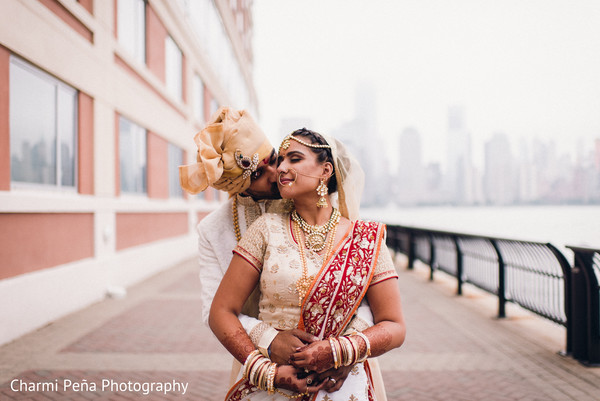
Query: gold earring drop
{"type": "Point", "coordinates": [322, 191]}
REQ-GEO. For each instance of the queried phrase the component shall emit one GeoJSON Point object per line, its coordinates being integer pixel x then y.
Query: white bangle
{"type": "Point", "coordinates": [368, 343]}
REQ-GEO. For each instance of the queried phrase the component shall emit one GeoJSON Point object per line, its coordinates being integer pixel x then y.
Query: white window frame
{"type": "Point", "coordinates": [173, 68]}
{"type": "Point", "coordinates": [198, 99]}
{"type": "Point", "coordinates": [58, 86]}
{"type": "Point", "coordinates": [175, 159]}
{"type": "Point", "coordinates": [131, 28]}
{"type": "Point", "coordinates": [138, 156]}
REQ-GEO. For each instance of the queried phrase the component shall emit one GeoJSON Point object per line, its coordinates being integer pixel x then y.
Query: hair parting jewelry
{"type": "Point", "coordinates": [286, 143]}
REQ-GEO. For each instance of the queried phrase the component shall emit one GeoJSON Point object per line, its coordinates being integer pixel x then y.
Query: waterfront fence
{"type": "Point", "coordinates": [533, 275]}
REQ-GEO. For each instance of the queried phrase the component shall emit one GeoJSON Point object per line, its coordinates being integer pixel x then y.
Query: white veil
{"type": "Point", "coordinates": [350, 179]}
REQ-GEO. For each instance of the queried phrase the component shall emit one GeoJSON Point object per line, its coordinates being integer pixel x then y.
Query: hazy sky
{"type": "Point", "coordinates": [525, 67]}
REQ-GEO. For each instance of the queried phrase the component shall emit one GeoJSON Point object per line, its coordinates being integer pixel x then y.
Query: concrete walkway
{"type": "Point", "coordinates": [151, 345]}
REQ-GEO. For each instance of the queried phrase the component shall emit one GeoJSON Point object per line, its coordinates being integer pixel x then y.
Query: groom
{"type": "Point", "coordinates": [235, 156]}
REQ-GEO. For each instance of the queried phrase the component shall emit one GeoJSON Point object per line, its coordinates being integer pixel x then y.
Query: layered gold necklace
{"type": "Point", "coordinates": [304, 282]}
{"type": "Point", "coordinates": [316, 235]}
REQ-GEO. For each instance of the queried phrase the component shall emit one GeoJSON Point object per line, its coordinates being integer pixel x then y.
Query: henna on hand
{"type": "Point", "coordinates": [287, 342]}
{"type": "Point", "coordinates": [286, 378]}
{"type": "Point", "coordinates": [339, 376]}
{"type": "Point", "coordinates": [316, 357]}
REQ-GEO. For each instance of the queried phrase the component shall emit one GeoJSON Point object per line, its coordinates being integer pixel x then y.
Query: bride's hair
{"type": "Point", "coordinates": [323, 154]}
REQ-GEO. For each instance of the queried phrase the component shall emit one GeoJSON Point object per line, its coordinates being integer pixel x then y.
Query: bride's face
{"type": "Point", "coordinates": [299, 172]}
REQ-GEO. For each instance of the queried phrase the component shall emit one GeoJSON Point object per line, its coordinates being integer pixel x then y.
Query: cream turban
{"type": "Point", "coordinates": [230, 148]}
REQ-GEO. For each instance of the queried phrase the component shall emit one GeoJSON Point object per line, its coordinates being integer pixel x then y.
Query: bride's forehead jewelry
{"type": "Point", "coordinates": [286, 143]}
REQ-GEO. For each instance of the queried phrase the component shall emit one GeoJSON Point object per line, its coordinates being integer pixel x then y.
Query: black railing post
{"type": "Point", "coordinates": [431, 257]}
{"type": "Point", "coordinates": [411, 249]}
{"type": "Point", "coordinates": [585, 307]}
{"type": "Point", "coordinates": [566, 269]}
{"type": "Point", "coordinates": [459, 266]}
{"type": "Point", "coordinates": [501, 281]}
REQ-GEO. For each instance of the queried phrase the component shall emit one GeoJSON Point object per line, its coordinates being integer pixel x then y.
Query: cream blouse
{"type": "Point", "coordinates": [269, 246]}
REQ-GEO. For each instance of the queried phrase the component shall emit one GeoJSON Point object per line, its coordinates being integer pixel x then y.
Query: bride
{"type": "Point", "coordinates": [315, 265]}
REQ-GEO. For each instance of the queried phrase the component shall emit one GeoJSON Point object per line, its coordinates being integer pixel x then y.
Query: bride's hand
{"type": "Point", "coordinates": [315, 357]}
{"type": "Point", "coordinates": [286, 377]}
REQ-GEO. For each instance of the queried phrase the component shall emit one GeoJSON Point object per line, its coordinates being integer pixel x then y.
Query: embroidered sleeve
{"type": "Point", "coordinates": [253, 244]}
{"type": "Point", "coordinates": [384, 269]}
{"type": "Point", "coordinates": [356, 324]}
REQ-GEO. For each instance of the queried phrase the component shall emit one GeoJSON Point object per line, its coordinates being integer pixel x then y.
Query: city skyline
{"type": "Point", "coordinates": [527, 69]}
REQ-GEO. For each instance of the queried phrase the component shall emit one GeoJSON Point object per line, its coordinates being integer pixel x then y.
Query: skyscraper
{"type": "Point", "coordinates": [500, 182]}
{"type": "Point", "coordinates": [459, 169]}
{"type": "Point", "coordinates": [411, 175]}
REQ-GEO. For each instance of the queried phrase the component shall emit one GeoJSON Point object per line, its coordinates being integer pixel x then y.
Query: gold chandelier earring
{"type": "Point", "coordinates": [322, 190]}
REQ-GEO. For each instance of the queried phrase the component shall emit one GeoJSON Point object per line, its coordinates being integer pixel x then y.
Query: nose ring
{"type": "Point", "coordinates": [285, 172]}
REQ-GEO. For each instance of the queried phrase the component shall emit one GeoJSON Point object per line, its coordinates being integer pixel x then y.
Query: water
{"type": "Point", "coordinates": [559, 225]}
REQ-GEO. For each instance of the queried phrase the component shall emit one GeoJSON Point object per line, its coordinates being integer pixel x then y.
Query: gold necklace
{"type": "Point", "coordinates": [304, 282]}
{"type": "Point", "coordinates": [330, 241]}
{"type": "Point", "coordinates": [316, 235]}
{"type": "Point", "coordinates": [236, 219]}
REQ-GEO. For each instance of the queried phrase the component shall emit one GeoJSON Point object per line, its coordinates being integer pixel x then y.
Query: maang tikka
{"type": "Point", "coordinates": [322, 191]}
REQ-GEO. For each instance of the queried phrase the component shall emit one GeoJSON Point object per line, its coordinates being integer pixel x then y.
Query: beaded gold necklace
{"type": "Point", "coordinates": [315, 235]}
{"type": "Point", "coordinates": [236, 219]}
{"type": "Point", "coordinates": [304, 282]}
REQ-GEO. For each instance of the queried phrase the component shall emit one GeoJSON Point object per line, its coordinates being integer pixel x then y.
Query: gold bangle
{"type": "Point", "coordinates": [347, 355]}
{"type": "Point", "coordinates": [336, 361]}
{"type": "Point", "coordinates": [249, 363]}
{"type": "Point", "coordinates": [271, 378]}
{"type": "Point", "coordinates": [353, 353]}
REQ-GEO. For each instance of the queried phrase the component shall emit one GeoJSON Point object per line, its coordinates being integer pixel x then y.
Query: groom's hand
{"type": "Point", "coordinates": [286, 342]}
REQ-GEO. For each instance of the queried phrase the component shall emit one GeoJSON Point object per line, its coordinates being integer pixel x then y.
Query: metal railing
{"type": "Point", "coordinates": [535, 276]}
{"type": "Point", "coordinates": [586, 305]}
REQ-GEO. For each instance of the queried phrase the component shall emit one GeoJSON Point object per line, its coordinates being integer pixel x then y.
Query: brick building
{"type": "Point", "coordinates": [99, 102]}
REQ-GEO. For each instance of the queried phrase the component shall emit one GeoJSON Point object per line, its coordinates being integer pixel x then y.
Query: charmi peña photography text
{"type": "Point", "coordinates": [83, 385]}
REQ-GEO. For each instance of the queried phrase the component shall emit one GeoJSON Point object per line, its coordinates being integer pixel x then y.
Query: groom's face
{"type": "Point", "coordinates": [264, 180]}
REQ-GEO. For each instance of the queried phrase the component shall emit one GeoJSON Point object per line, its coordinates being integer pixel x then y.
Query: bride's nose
{"type": "Point", "coordinates": [282, 168]}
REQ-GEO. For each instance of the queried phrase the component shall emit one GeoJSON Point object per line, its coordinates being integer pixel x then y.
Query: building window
{"type": "Point", "coordinates": [43, 127]}
{"type": "Point", "coordinates": [214, 106]}
{"type": "Point", "coordinates": [175, 160]}
{"type": "Point", "coordinates": [132, 157]}
{"type": "Point", "coordinates": [173, 68]}
{"type": "Point", "coordinates": [131, 27]}
{"type": "Point", "coordinates": [198, 98]}
{"type": "Point", "coordinates": [209, 29]}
